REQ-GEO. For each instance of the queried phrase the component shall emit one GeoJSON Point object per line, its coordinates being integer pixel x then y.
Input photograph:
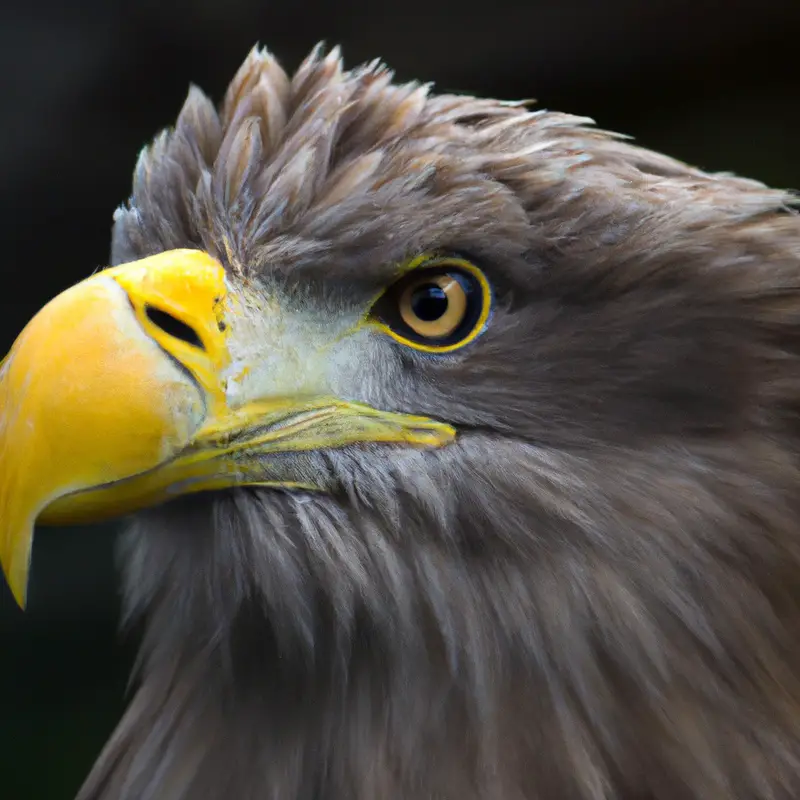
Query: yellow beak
{"type": "Point", "coordinates": [113, 398]}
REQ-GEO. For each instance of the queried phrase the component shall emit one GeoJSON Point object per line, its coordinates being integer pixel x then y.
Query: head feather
{"type": "Point", "coordinates": [594, 592]}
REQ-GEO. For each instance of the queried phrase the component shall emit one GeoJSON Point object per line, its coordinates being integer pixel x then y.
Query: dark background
{"type": "Point", "coordinates": [84, 85]}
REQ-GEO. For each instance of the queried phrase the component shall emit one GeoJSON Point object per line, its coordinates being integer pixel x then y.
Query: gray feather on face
{"type": "Point", "coordinates": [595, 591]}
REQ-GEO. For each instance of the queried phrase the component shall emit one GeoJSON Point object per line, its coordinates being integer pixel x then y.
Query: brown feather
{"type": "Point", "coordinates": [596, 592]}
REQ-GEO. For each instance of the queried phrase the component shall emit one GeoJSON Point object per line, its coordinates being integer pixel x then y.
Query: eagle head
{"type": "Point", "coordinates": [460, 447]}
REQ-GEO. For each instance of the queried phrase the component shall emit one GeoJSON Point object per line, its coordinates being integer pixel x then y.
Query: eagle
{"type": "Point", "coordinates": [459, 444]}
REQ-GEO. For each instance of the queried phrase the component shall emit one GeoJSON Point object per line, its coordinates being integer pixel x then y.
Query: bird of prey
{"type": "Point", "coordinates": [460, 443]}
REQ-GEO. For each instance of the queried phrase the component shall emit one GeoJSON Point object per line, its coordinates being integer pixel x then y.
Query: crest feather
{"type": "Point", "coordinates": [325, 152]}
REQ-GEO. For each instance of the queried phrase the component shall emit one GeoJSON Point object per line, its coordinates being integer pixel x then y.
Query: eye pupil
{"type": "Point", "coordinates": [429, 302]}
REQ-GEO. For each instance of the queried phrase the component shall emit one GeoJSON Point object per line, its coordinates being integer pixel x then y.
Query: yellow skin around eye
{"type": "Point", "coordinates": [452, 317]}
{"type": "Point", "coordinates": [428, 261]}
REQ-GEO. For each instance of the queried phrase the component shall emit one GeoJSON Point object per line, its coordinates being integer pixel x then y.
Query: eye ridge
{"type": "Point", "coordinates": [437, 307]}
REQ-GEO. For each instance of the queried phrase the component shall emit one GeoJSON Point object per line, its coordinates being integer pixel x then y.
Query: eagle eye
{"type": "Point", "coordinates": [438, 306]}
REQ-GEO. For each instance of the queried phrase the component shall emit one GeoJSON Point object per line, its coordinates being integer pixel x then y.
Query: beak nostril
{"type": "Point", "coordinates": [173, 326]}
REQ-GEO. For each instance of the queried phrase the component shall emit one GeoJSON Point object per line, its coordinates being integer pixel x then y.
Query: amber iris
{"type": "Point", "coordinates": [439, 305]}
{"type": "Point", "coordinates": [434, 306]}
